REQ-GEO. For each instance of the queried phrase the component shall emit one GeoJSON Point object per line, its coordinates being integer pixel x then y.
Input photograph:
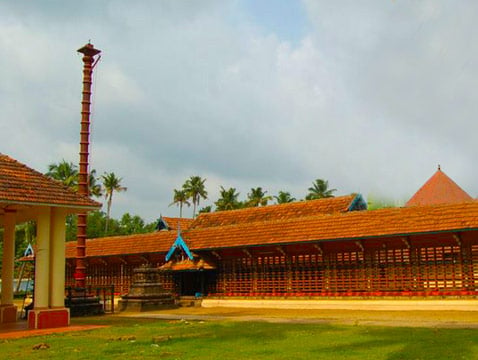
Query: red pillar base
{"type": "Point", "coordinates": [48, 318]}
{"type": "Point", "coordinates": [8, 313]}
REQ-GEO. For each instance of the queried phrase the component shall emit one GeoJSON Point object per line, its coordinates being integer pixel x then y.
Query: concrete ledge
{"type": "Point", "coordinates": [48, 318]}
{"type": "Point", "coordinates": [375, 305]}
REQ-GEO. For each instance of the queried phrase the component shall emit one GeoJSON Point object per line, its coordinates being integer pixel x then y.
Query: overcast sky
{"type": "Point", "coordinates": [370, 95]}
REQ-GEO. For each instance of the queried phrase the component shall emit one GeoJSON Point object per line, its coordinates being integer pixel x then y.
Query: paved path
{"type": "Point", "coordinates": [441, 319]}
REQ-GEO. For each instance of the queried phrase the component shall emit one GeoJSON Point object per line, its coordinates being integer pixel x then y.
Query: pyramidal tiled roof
{"type": "Point", "coordinates": [20, 184]}
{"type": "Point", "coordinates": [439, 189]}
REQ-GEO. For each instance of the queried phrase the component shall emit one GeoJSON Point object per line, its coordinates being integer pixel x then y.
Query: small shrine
{"type": "Point", "coordinates": [146, 292]}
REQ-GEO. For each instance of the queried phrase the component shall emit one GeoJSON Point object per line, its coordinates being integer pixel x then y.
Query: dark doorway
{"type": "Point", "coordinates": [194, 283]}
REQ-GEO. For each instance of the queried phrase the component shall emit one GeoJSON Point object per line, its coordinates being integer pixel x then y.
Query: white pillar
{"type": "Point", "coordinates": [57, 258]}
{"type": "Point", "coordinates": [8, 259]}
{"type": "Point", "coordinates": [42, 260]}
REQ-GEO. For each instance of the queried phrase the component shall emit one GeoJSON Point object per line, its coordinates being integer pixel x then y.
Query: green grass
{"type": "Point", "coordinates": [244, 340]}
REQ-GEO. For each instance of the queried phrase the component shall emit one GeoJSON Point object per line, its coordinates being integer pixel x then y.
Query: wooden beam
{"type": "Point", "coordinates": [144, 258]}
{"type": "Point", "coordinates": [122, 260]}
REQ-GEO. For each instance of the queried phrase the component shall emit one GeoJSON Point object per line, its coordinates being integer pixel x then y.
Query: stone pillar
{"type": "Point", "coordinates": [42, 261]}
{"type": "Point", "coordinates": [8, 311]}
{"type": "Point", "coordinates": [57, 258]}
{"type": "Point", "coordinates": [49, 307]}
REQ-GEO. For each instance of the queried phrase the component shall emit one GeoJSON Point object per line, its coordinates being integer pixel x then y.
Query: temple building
{"type": "Point", "coordinates": [331, 247]}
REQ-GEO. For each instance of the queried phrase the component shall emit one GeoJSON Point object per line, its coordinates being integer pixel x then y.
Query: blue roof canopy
{"type": "Point", "coordinates": [179, 243]}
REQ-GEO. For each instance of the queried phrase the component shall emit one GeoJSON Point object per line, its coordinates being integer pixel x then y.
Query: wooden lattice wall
{"type": "Point", "coordinates": [446, 270]}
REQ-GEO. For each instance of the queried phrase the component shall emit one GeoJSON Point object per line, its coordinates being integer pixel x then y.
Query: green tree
{"type": "Point", "coordinates": [95, 188]}
{"type": "Point", "coordinates": [228, 199]}
{"type": "Point", "coordinates": [319, 190]}
{"type": "Point", "coordinates": [257, 197]}
{"type": "Point", "coordinates": [284, 197]}
{"type": "Point", "coordinates": [195, 189]}
{"type": "Point", "coordinates": [131, 224]}
{"type": "Point", "coordinates": [180, 198]}
{"type": "Point", "coordinates": [205, 209]}
{"type": "Point", "coordinates": [111, 184]}
{"type": "Point", "coordinates": [66, 172]}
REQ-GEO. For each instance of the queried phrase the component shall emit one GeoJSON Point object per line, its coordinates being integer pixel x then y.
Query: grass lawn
{"type": "Point", "coordinates": [133, 338]}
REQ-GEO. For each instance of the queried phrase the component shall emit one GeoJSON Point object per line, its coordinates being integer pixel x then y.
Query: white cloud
{"type": "Point", "coordinates": [371, 98]}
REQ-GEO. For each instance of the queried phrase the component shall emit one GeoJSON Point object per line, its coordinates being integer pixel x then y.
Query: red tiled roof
{"type": "Point", "coordinates": [274, 212]}
{"type": "Point", "coordinates": [439, 189]}
{"type": "Point", "coordinates": [350, 225]}
{"type": "Point", "coordinates": [159, 241]}
{"type": "Point", "coordinates": [336, 226]}
{"type": "Point", "coordinates": [172, 222]}
{"type": "Point", "coordinates": [21, 185]}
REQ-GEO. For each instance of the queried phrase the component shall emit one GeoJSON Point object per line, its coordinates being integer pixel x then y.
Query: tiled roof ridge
{"type": "Point", "coordinates": [293, 203]}
{"type": "Point", "coordinates": [270, 208]}
{"type": "Point", "coordinates": [265, 222]}
{"type": "Point", "coordinates": [30, 170]}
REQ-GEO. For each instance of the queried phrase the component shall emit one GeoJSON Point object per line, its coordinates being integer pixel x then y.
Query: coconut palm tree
{"type": "Point", "coordinates": [195, 189]}
{"type": "Point", "coordinates": [180, 198]}
{"type": "Point", "coordinates": [320, 189]}
{"type": "Point", "coordinates": [228, 200]}
{"type": "Point", "coordinates": [93, 186]}
{"type": "Point", "coordinates": [66, 172]}
{"type": "Point", "coordinates": [257, 197]}
{"type": "Point", "coordinates": [111, 183]}
{"type": "Point", "coordinates": [284, 197]}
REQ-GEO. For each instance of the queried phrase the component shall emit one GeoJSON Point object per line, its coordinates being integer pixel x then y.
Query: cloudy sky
{"type": "Point", "coordinates": [370, 95]}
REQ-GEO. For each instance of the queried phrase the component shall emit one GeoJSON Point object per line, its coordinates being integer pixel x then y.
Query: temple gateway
{"type": "Point", "coordinates": [331, 247]}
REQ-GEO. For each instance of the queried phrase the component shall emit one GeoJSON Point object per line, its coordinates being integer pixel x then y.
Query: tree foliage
{"type": "Point", "coordinates": [195, 190]}
{"type": "Point", "coordinates": [228, 199]}
{"type": "Point", "coordinates": [319, 190]}
{"type": "Point", "coordinates": [257, 197]}
{"type": "Point", "coordinates": [180, 198]}
{"type": "Point", "coordinates": [67, 173]}
{"type": "Point", "coordinates": [284, 197]}
{"type": "Point", "coordinates": [111, 184]}
{"type": "Point", "coordinates": [128, 224]}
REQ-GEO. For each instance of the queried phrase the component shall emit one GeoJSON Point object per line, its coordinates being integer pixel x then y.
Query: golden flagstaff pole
{"type": "Point", "coordinates": [89, 63]}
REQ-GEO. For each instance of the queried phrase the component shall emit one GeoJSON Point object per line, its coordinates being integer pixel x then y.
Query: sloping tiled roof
{"type": "Point", "coordinates": [439, 189]}
{"type": "Point", "coordinates": [159, 241]}
{"type": "Point", "coordinates": [337, 226]}
{"type": "Point", "coordinates": [274, 212]}
{"type": "Point", "coordinates": [350, 225]}
{"type": "Point", "coordinates": [172, 222]}
{"type": "Point", "coordinates": [21, 185]}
